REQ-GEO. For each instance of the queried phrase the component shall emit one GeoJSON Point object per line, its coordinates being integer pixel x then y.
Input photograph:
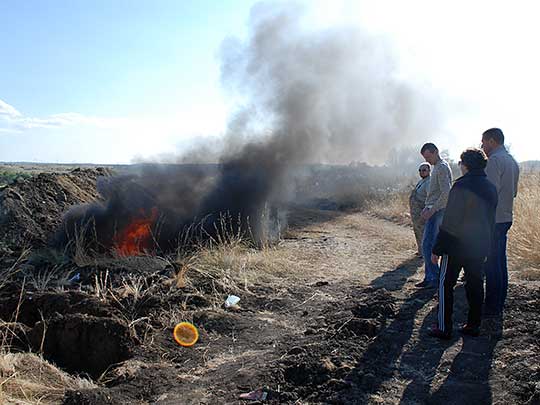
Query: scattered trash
{"type": "Point", "coordinates": [257, 395]}
{"type": "Point", "coordinates": [185, 334]}
{"type": "Point", "coordinates": [231, 300]}
{"type": "Point", "coordinates": [75, 278]}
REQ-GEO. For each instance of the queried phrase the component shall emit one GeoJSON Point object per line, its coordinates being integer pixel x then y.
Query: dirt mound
{"type": "Point", "coordinates": [88, 397]}
{"type": "Point", "coordinates": [31, 210]}
{"type": "Point", "coordinates": [33, 307]}
{"type": "Point", "coordinates": [28, 379]}
{"type": "Point", "coordinates": [374, 303]}
{"type": "Point", "coordinates": [135, 382]}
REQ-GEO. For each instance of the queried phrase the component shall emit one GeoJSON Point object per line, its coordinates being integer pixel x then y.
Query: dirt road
{"type": "Point", "coordinates": [345, 325]}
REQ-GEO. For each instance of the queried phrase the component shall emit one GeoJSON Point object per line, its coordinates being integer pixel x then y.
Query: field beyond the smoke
{"type": "Point", "coordinates": [327, 315]}
{"type": "Point", "coordinates": [524, 236]}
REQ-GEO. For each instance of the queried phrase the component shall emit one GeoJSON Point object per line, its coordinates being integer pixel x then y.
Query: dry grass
{"type": "Point", "coordinates": [524, 236]}
{"type": "Point", "coordinates": [26, 379]}
{"type": "Point", "coordinates": [233, 268]}
{"type": "Point", "coordinates": [82, 255]}
{"type": "Point", "coordinates": [7, 274]}
{"type": "Point", "coordinates": [393, 206]}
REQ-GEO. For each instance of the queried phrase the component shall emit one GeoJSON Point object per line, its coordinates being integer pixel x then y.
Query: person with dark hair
{"type": "Point", "coordinates": [464, 242]}
{"type": "Point", "coordinates": [439, 187]}
{"type": "Point", "coordinates": [503, 171]}
{"type": "Point", "coordinates": [417, 202]}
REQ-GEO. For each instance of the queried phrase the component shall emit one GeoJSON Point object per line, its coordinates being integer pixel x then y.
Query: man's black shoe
{"type": "Point", "coordinates": [436, 332]}
{"type": "Point", "coordinates": [470, 330]}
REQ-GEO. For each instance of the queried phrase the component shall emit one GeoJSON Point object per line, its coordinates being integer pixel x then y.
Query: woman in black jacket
{"type": "Point", "coordinates": [464, 241]}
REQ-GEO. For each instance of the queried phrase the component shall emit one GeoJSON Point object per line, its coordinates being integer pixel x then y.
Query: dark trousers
{"type": "Point", "coordinates": [431, 230]}
{"type": "Point", "coordinates": [497, 270]}
{"type": "Point", "coordinates": [474, 288]}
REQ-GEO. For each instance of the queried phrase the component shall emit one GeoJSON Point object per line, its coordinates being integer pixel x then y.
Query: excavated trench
{"type": "Point", "coordinates": [71, 329]}
{"type": "Point", "coordinates": [83, 343]}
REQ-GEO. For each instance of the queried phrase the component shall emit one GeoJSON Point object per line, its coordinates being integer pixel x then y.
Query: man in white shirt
{"type": "Point", "coordinates": [503, 171]}
{"type": "Point", "coordinates": [439, 189]}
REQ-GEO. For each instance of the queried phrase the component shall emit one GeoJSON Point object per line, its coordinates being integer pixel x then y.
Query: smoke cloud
{"type": "Point", "coordinates": [328, 96]}
{"type": "Point", "coordinates": [307, 96]}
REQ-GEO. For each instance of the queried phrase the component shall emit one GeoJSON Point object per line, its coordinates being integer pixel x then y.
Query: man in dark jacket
{"type": "Point", "coordinates": [464, 242]}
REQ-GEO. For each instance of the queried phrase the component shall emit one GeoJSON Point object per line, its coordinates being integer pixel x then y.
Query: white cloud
{"type": "Point", "coordinates": [8, 112]}
{"type": "Point", "coordinates": [74, 137]}
{"type": "Point", "coordinates": [11, 120]}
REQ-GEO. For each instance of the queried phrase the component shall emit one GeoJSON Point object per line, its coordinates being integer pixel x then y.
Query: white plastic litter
{"type": "Point", "coordinates": [231, 300]}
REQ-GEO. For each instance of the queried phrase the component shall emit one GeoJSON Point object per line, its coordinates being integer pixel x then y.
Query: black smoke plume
{"type": "Point", "coordinates": [307, 96]}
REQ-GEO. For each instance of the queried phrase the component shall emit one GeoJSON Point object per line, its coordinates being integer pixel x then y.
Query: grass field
{"type": "Point", "coordinates": [301, 290]}
{"type": "Point", "coordinates": [523, 238]}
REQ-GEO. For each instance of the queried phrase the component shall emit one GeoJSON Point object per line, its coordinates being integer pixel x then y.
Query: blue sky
{"type": "Point", "coordinates": [105, 57]}
{"type": "Point", "coordinates": [114, 59]}
{"type": "Point", "coordinates": [107, 81]}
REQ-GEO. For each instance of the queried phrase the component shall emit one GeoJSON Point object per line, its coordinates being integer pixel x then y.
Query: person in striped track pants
{"type": "Point", "coordinates": [463, 242]}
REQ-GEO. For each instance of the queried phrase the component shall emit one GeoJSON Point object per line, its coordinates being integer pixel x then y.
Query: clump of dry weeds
{"type": "Point", "coordinates": [392, 205]}
{"type": "Point", "coordinates": [233, 267]}
{"type": "Point", "coordinates": [27, 379]}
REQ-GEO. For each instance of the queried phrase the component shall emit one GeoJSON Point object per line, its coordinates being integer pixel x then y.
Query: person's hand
{"type": "Point", "coordinates": [434, 258]}
{"type": "Point", "coordinates": [427, 213]}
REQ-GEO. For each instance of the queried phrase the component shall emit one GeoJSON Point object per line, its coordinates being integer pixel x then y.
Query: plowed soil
{"type": "Point", "coordinates": [346, 326]}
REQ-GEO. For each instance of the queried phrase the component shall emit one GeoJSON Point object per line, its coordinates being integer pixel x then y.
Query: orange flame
{"type": "Point", "coordinates": [136, 237]}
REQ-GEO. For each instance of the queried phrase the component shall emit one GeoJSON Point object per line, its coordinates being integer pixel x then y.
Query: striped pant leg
{"type": "Point", "coordinates": [474, 288]}
{"type": "Point", "coordinates": [450, 268]}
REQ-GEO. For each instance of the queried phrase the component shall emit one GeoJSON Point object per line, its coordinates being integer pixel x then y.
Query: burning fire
{"type": "Point", "coordinates": [136, 237]}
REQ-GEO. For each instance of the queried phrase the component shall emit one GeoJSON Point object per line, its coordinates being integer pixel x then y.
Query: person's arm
{"type": "Point", "coordinates": [516, 180]}
{"type": "Point", "coordinates": [445, 184]}
{"type": "Point", "coordinates": [452, 222]}
{"type": "Point", "coordinates": [493, 172]}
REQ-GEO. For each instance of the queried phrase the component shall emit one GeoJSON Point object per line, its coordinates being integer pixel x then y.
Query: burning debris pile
{"type": "Point", "coordinates": [31, 210]}
{"type": "Point", "coordinates": [165, 206]}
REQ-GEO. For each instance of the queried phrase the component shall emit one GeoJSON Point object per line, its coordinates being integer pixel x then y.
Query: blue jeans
{"type": "Point", "coordinates": [496, 270]}
{"type": "Point", "coordinates": [431, 231]}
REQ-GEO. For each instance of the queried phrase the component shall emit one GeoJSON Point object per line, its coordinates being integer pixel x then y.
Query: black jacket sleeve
{"type": "Point", "coordinates": [453, 218]}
